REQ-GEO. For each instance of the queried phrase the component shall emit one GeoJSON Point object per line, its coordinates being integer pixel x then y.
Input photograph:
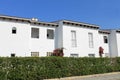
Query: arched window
{"type": "Point", "coordinates": [14, 30]}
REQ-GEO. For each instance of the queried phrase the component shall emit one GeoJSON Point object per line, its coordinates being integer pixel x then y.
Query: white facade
{"type": "Point", "coordinates": [82, 48]}
{"type": "Point", "coordinates": [104, 43]}
{"type": "Point", "coordinates": [118, 42]}
{"type": "Point", "coordinates": [26, 37]}
{"type": "Point", "coordinates": [114, 44]}
{"type": "Point", "coordinates": [14, 43]}
{"type": "Point", "coordinates": [82, 45]}
{"type": "Point", "coordinates": [21, 43]}
{"type": "Point", "coordinates": [42, 44]}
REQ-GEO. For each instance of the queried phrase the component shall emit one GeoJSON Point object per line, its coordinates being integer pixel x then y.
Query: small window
{"type": "Point", "coordinates": [14, 30]}
{"type": "Point", "coordinates": [49, 53]}
{"type": "Point", "coordinates": [35, 32]}
{"type": "Point", "coordinates": [50, 34]}
{"type": "Point", "coordinates": [74, 55]}
{"type": "Point", "coordinates": [105, 39]}
{"type": "Point", "coordinates": [91, 55]}
{"type": "Point", "coordinates": [13, 55]}
{"type": "Point", "coordinates": [35, 54]}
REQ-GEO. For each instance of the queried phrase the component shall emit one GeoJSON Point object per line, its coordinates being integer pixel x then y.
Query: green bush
{"type": "Point", "coordinates": [34, 68]}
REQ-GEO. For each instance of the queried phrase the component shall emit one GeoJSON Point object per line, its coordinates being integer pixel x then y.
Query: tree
{"type": "Point", "coordinates": [101, 51]}
{"type": "Point", "coordinates": [58, 52]}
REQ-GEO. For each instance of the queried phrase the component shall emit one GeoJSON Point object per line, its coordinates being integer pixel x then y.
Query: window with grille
{"type": "Point", "coordinates": [90, 36]}
{"type": "Point", "coordinates": [49, 53]}
{"type": "Point", "coordinates": [74, 55]}
{"type": "Point", "coordinates": [73, 39]}
{"type": "Point", "coordinates": [50, 34]}
{"type": "Point", "coordinates": [35, 32]}
{"type": "Point", "coordinates": [35, 54]}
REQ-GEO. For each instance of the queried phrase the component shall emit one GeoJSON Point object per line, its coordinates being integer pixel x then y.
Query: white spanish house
{"type": "Point", "coordinates": [24, 37]}
{"type": "Point", "coordinates": [81, 39]}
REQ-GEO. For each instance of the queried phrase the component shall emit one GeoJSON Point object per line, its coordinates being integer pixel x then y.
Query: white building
{"type": "Point", "coordinates": [80, 39]}
{"type": "Point", "coordinates": [25, 37]}
{"type": "Point", "coordinates": [30, 37]}
{"type": "Point", "coordinates": [114, 44]}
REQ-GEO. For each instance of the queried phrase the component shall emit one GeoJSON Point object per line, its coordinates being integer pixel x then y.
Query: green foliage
{"type": "Point", "coordinates": [34, 68]}
{"type": "Point", "coordinates": [58, 52]}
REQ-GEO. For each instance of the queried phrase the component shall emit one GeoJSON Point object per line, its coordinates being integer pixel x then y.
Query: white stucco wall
{"type": "Point", "coordinates": [14, 43]}
{"type": "Point", "coordinates": [118, 43]}
{"type": "Point", "coordinates": [113, 47]}
{"type": "Point", "coordinates": [59, 35]}
{"type": "Point", "coordinates": [82, 41]}
{"type": "Point", "coordinates": [22, 44]}
{"type": "Point", "coordinates": [42, 44]}
{"type": "Point", "coordinates": [105, 46]}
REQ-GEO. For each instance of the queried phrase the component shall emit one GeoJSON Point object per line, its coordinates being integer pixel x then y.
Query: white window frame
{"type": "Point", "coordinates": [73, 38]}
{"type": "Point", "coordinates": [91, 42]}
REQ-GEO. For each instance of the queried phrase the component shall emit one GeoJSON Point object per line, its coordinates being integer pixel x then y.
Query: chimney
{"type": "Point", "coordinates": [34, 19]}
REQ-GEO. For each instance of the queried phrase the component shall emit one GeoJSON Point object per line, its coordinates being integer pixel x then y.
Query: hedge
{"type": "Point", "coordinates": [35, 68]}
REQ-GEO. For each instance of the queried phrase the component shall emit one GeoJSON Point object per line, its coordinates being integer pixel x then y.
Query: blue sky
{"type": "Point", "coordinates": [105, 13]}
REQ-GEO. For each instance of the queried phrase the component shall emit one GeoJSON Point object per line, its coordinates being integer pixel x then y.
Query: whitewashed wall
{"type": "Point", "coordinates": [118, 42]}
{"type": "Point", "coordinates": [42, 44]}
{"type": "Point", "coordinates": [113, 48]}
{"type": "Point", "coordinates": [59, 35]}
{"type": "Point", "coordinates": [14, 43]}
{"type": "Point", "coordinates": [105, 46]}
{"type": "Point", "coordinates": [22, 44]}
{"type": "Point", "coordinates": [82, 41]}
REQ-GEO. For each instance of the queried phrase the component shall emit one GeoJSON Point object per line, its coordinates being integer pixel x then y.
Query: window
{"type": "Point", "coordinates": [105, 39]}
{"type": "Point", "coordinates": [50, 34]}
{"type": "Point", "coordinates": [13, 55]}
{"type": "Point", "coordinates": [35, 54]}
{"type": "Point", "coordinates": [35, 32]}
{"type": "Point", "coordinates": [74, 55]}
{"type": "Point", "coordinates": [49, 53]}
{"type": "Point", "coordinates": [14, 30]}
{"type": "Point", "coordinates": [91, 55]}
{"type": "Point", "coordinates": [90, 36]}
{"type": "Point", "coordinates": [73, 39]}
